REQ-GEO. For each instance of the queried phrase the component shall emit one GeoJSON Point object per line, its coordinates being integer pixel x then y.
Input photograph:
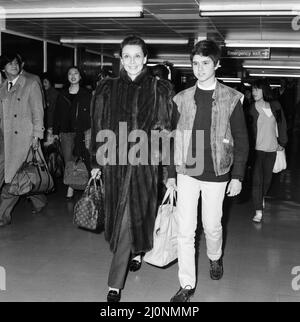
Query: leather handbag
{"type": "Point", "coordinates": [89, 209]}
{"type": "Point", "coordinates": [164, 249]}
{"type": "Point", "coordinates": [33, 177]}
{"type": "Point", "coordinates": [280, 162]}
{"type": "Point", "coordinates": [76, 174]}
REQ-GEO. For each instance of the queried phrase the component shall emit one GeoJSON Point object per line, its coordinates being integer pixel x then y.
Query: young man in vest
{"type": "Point", "coordinates": [215, 111]}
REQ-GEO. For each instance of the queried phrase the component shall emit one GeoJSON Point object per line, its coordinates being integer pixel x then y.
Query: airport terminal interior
{"type": "Point", "coordinates": [45, 257]}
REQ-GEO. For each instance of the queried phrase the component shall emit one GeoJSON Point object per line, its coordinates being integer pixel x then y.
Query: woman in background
{"type": "Point", "coordinates": [268, 135]}
{"type": "Point", "coordinates": [72, 120]}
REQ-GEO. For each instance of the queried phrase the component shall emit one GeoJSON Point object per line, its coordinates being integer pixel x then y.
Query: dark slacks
{"type": "Point", "coordinates": [262, 176]}
{"type": "Point", "coordinates": [67, 141]}
{"type": "Point", "coordinates": [119, 265]}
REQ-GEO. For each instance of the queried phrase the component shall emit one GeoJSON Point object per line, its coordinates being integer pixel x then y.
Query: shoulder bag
{"type": "Point", "coordinates": [164, 249]}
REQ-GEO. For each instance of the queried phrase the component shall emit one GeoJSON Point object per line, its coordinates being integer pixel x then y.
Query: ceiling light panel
{"type": "Point", "coordinates": [71, 12]}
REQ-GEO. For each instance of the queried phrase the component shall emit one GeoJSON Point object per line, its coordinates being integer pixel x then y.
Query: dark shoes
{"type": "Point", "coordinates": [183, 295]}
{"type": "Point", "coordinates": [4, 222]}
{"type": "Point", "coordinates": [134, 265]}
{"type": "Point", "coordinates": [113, 296]}
{"type": "Point", "coordinates": [37, 210]}
{"type": "Point", "coordinates": [216, 269]}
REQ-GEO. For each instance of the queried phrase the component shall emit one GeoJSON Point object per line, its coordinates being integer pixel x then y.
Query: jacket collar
{"type": "Point", "coordinates": [19, 83]}
{"type": "Point", "coordinates": [191, 90]}
{"type": "Point", "coordinates": [138, 80]}
{"type": "Point", "coordinates": [219, 87]}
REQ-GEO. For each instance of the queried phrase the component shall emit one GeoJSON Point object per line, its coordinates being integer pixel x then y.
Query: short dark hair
{"type": "Point", "coordinates": [207, 48]}
{"type": "Point", "coordinates": [160, 70]}
{"type": "Point", "coordinates": [47, 76]}
{"type": "Point", "coordinates": [82, 76]}
{"type": "Point", "coordinates": [134, 40]}
{"type": "Point", "coordinates": [8, 58]}
{"type": "Point", "coordinates": [265, 87]}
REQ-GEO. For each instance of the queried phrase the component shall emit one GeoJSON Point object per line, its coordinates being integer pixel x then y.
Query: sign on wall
{"type": "Point", "coordinates": [243, 53]}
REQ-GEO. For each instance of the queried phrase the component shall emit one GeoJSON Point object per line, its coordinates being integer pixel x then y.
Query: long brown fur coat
{"type": "Point", "coordinates": [145, 104]}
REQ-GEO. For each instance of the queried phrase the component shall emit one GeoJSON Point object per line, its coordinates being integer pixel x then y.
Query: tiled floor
{"type": "Point", "coordinates": [46, 258]}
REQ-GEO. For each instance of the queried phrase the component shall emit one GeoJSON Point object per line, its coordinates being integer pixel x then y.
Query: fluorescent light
{"type": "Point", "coordinates": [272, 85]}
{"type": "Point", "coordinates": [183, 65]}
{"type": "Point", "coordinates": [249, 13]}
{"type": "Point", "coordinates": [230, 79]}
{"type": "Point", "coordinates": [271, 66]}
{"type": "Point", "coordinates": [249, 8]}
{"type": "Point", "coordinates": [174, 55]}
{"type": "Point", "coordinates": [98, 40]}
{"type": "Point", "coordinates": [71, 12]}
{"type": "Point", "coordinates": [275, 75]}
{"type": "Point", "coordinates": [174, 65]}
{"type": "Point", "coordinates": [263, 44]}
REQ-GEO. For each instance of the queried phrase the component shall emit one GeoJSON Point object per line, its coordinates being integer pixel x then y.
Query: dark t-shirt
{"type": "Point", "coordinates": [203, 100]}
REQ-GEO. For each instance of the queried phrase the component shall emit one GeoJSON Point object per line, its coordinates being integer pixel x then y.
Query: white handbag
{"type": "Point", "coordinates": [164, 249]}
{"type": "Point", "coordinates": [280, 162]}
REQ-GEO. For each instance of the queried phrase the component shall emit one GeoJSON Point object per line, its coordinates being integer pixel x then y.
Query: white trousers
{"type": "Point", "coordinates": [212, 194]}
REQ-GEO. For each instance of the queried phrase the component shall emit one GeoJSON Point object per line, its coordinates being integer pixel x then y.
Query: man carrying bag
{"type": "Point", "coordinates": [21, 126]}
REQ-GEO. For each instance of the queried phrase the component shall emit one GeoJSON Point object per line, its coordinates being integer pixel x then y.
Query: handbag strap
{"type": "Point", "coordinates": [87, 188]}
{"type": "Point", "coordinates": [44, 163]}
{"type": "Point", "coordinates": [171, 195]}
{"type": "Point", "coordinates": [92, 181]}
{"type": "Point", "coordinates": [30, 150]}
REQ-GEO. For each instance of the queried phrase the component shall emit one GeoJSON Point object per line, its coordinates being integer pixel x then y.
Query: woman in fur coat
{"type": "Point", "coordinates": [135, 100]}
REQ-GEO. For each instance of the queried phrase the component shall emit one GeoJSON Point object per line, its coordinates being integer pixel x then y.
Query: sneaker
{"type": "Point", "coordinates": [183, 295]}
{"type": "Point", "coordinates": [216, 269]}
{"type": "Point", "coordinates": [258, 216]}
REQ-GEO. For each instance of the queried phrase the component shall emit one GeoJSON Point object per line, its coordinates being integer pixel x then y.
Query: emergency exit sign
{"type": "Point", "coordinates": [248, 53]}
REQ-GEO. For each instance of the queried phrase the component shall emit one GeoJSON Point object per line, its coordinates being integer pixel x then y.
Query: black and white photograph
{"type": "Point", "coordinates": [149, 153]}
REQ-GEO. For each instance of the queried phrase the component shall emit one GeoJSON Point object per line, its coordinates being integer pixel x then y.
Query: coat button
{"type": "Point", "coordinates": [15, 115]}
{"type": "Point", "coordinates": [16, 132]}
